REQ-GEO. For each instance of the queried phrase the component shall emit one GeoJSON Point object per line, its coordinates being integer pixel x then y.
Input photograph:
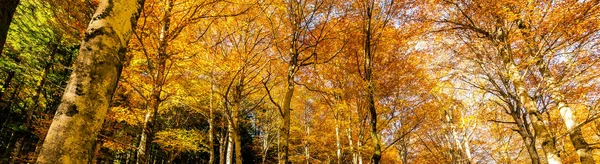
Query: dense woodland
{"type": "Point", "coordinates": [300, 81]}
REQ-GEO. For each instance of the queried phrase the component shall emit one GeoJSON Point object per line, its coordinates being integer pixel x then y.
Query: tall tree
{"type": "Point", "coordinates": [81, 113]}
{"type": "Point", "coordinates": [304, 26]}
{"type": "Point", "coordinates": [158, 70]}
{"type": "Point", "coordinates": [166, 22]}
{"type": "Point", "coordinates": [375, 16]}
{"type": "Point", "coordinates": [527, 41]}
{"type": "Point", "coordinates": [7, 10]}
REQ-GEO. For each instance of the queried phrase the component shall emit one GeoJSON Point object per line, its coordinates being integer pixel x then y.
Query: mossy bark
{"type": "Point", "coordinates": [80, 115]}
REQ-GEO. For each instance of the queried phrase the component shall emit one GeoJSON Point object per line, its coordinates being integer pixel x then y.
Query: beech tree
{"type": "Point", "coordinates": [522, 41]}
{"type": "Point", "coordinates": [299, 27]}
{"type": "Point", "coordinates": [92, 84]}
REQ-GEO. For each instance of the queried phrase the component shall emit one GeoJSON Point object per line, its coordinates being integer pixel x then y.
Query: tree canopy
{"type": "Point", "coordinates": [300, 81]}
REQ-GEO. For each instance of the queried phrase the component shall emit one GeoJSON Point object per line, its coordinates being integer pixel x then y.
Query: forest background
{"type": "Point", "coordinates": [299, 81]}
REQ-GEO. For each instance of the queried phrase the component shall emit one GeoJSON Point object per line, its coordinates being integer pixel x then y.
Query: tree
{"type": "Point", "coordinates": [522, 42]}
{"type": "Point", "coordinates": [92, 84]}
{"type": "Point", "coordinates": [304, 25]}
{"type": "Point", "coordinates": [165, 22]}
{"type": "Point", "coordinates": [8, 9]}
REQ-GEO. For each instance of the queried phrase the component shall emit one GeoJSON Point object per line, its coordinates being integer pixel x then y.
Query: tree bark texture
{"type": "Point", "coordinates": [80, 115]}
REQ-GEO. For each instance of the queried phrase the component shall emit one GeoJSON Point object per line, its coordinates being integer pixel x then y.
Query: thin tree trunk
{"type": "Point", "coordinates": [142, 151]}
{"type": "Point", "coordinates": [541, 131]}
{"type": "Point", "coordinates": [223, 145]}
{"type": "Point", "coordinates": [12, 140]}
{"type": "Point", "coordinates": [351, 144]}
{"type": "Point", "coordinates": [530, 146]}
{"type": "Point", "coordinates": [6, 85]}
{"type": "Point", "coordinates": [337, 139]}
{"type": "Point", "coordinates": [17, 150]}
{"type": "Point", "coordinates": [524, 130]}
{"type": "Point", "coordinates": [85, 102]}
{"type": "Point", "coordinates": [306, 141]}
{"type": "Point", "coordinates": [265, 147]}
{"type": "Point", "coordinates": [4, 105]}
{"type": "Point", "coordinates": [289, 92]}
{"type": "Point", "coordinates": [461, 155]}
{"type": "Point", "coordinates": [285, 129]}
{"type": "Point", "coordinates": [403, 150]}
{"type": "Point", "coordinates": [466, 145]}
{"type": "Point", "coordinates": [211, 130]}
{"type": "Point", "coordinates": [7, 11]}
{"type": "Point", "coordinates": [279, 145]}
{"type": "Point", "coordinates": [368, 68]}
{"type": "Point", "coordinates": [158, 82]}
{"type": "Point", "coordinates": [97, 148]}
{"type": "Point", "coordinates": [40, 87]}
{"type": "Point", "coordinates": [29, 117]}
{"type": "Point", "coordinates": [235, 131]}
{"type": "Point", "coordinates": [229, 156]}
{"type": "Point", "coordinates": [359, 146]}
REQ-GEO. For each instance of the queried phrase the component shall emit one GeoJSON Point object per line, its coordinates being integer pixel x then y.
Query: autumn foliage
{"type": "Point", "coordinates": [300, 81]}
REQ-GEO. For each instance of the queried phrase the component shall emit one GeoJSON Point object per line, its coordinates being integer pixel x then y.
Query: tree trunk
{"type": "Point", "coordinates": [97, 148]}
{"type": "Point", "coordinates": [368, 57]}
{"type": "Point", "coordinates": [87, 97]}
{"type": "Point", "coordinates": [229, 156]}
{"type": "Point", "coordinates": [359, 146]}
{"type": "Point", "coordinates": [265, 147]}
{"type": "Point", "coordinates": [524, 130]}
{"type": "Point", "coordinates": [158, 83]}
{"type": "Point", "coordinates": [292, 66]}
{"type": "Point", "coordinates": [279, 146]}
{"type": "Point", "coordinates": [6, 85]}
{"type": "Point", "coordinates": [461, 155]}
{"type": "Point", "coordinates": [351, 144]}
{"type": "Point", "coordinates": [142, 151]}
{"type": "Point", "coordinates": [211, 129]}
{"type": "Point", "coordinates": [40, 87]}
{"type": "Point", "coordinates": [530, 146]}
{"type": "Point", "coordinates": [403, 150]}
{"type": "Point", "coordinates": [7, 11]}
{"type": "Point", "coordinates": [337, 139]}
{"type": "Point", "coordinates": [566, 113]}
{"type": "Point", "coordinates": [306, 141]}
{"type": "Point", "coordinates": [530, 106]}
{"type": "Point", "coordinates": [466, 145]}
{"type": "Point", "coordinates": [371, 101]}
{"type": "Point", "coordinates": [285, 129]}
{"type": "Point", "coordinates": [33, 107]}
{"type": "Point", "coordinates": [541, 131]}
{"type": "Point", "coordinates": [18, 146]}
{"type": "Point", "coordinates": [582, 147]}
{"type": "Point", "coordinates": [223, 145]}
{"type": "Point", "coordinates": [235, 131]}
{"type": "Point", "coordinates": [10, 145]}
